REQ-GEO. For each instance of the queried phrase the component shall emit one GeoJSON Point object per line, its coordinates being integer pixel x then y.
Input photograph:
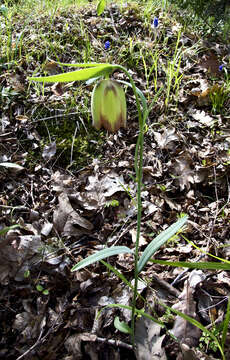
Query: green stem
{"type": "Point", "coordinates": [139, 173]}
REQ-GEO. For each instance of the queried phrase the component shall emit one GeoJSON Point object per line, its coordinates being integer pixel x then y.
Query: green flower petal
{"type": "Point", "coordinates": [108, 105]}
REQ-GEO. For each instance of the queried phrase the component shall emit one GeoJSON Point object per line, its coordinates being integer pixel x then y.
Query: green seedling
{"type": "Point", "coordinates": [218, 96]}
{"type": "Point", "coordinates": [26, 274]}
{"type": "Point", "coordinates": [206, 342]}
{"type": "Point", "coordinates": [7, 49]}
{"type": "Point", "coordinates": [112, 203]}
{"type": "Point", "coordinates": [152, 70]}
{"type": "Point", "coordinates": [41, 289]}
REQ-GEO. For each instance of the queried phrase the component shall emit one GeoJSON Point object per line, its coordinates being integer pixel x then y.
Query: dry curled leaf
{"type": "Point", "coordinates": [148, 340]}
{"type": "Point", "coordinates": [67, 221]}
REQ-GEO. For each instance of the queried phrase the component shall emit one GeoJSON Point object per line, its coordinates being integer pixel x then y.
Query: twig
{"type": "Point", "coordinates": [112, 22]}
{"type": "Point", "coordinates": [40, 339]}
{"type": "Point", "coordinates": [117, 343]}
{"type": "Point", "coordinates": [72, 145]}
{"type": "Point", "coordinates": [31, 348]}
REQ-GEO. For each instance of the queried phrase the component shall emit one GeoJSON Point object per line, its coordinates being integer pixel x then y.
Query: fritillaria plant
{"type": "Point", "coordinates": [108, 108]}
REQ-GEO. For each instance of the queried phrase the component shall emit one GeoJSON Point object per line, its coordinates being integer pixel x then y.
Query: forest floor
{"type": "Point", "coordinates": [71, 190]}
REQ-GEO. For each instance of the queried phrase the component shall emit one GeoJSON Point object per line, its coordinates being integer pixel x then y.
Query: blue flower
{"type": "Point", "coordinates": [107, 45]}
{"type": "Point", "coordinates": [155, 22]}
{"type": "Point", "coordinates": [221, 67]}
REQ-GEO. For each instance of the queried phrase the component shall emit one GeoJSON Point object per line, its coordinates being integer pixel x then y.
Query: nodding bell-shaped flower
{"type": "Point", "coordinates": [108, 105]}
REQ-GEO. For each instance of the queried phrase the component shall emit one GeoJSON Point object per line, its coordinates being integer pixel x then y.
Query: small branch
{"type": "Point", "coordinates": [31, 348]}
{"type": "Point", "coordinates": [116, 343]}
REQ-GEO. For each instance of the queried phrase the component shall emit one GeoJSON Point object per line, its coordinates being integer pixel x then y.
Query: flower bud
{"type": "Point", "coordinates": [108, 105]}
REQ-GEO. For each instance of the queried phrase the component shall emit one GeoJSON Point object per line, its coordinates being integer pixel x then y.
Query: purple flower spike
{"type": "Point", "coordinates": [221, 67]}
{"type": "Point", "coordinates": [107, 45]}
{"type": "Point", "coordinates": [155, 22]}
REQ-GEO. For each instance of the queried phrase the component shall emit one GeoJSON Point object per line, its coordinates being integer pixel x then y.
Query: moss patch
{"type": "Point", "coordinates": [70, 135]}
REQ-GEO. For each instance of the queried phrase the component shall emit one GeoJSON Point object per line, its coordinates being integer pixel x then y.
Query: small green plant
{"type": "Point", "coordinates": [26, 274]}
{"type": "Point", "coordinates": [206, 342]}
{"type": "Point", "coordinates": [218, 96]}
{"type": "Point", "coordinates": [172, 72]}
{"type": "Point", "coordinates": [7, 49]}
{"type": "Point", "coordinates": [105, 93]}
{"type": "Point", "coordinates": [112, 203]}
{"type": "Point", "coordinates": [10, 49]}
{"type": "Point", "coordinates": [41, 289]}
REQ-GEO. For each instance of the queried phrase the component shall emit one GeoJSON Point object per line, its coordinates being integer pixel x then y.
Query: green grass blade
{"type": "Point", "coordinates": [79, 75]}
{"type": "Point", "coordinates": [204, 252]}
{"type": "Point", "coordinates": [226, 323]}
{"type": "Point", "coordinates": [139, 92]}
{"type": "Point", "coordinates": [137, 312]}
{"type": "Point", "coordinates": [100, 255]}
{"type": "Point", "coordinates": [117, 273]}
{"type": "Point", "coordinates": [159, 241]}
{"type": "Point", "coordinates": [8, 228]}
{"type": "Point", "coordinates": [199, 265]}
{"type": "Point", "coordinates": [197, 324]}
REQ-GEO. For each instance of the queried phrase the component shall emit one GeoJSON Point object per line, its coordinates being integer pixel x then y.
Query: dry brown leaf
{"type": "Point", "coordinates": [65, 219]}
{"type": "Point", "coordinates": [186, 332]}
{"type": "Point", "coordinates": [148, 340]}
{"type": "Point", "coordinates": [211, 63]}
{"type": "Point", "coordinates": [203, 118]}
{"type": "Point", "coordinates": [182, 170]}
{"type": "Point", "coordinates": [57, 89]}
{"type": "Point", "coordinates": [99, 190]}
{"type": "Point", "coordinates": [142, 240]}
{"type": "Point", "coordinates": [167, 139]}
{"type": "Point", "coordinates": [49, 151]}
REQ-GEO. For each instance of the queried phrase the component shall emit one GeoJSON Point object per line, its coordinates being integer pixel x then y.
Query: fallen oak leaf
{"type": "Point", "coordinates": [65, 218]}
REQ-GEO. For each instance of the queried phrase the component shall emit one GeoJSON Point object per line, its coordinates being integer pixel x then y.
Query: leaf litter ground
{"type": "Point", "coordinates": [73, 190]}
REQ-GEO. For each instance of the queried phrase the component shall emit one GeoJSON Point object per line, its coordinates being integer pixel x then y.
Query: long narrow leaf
{"type": "Point", "coordinates": [8, 228]}
{"type": "Point", "coordinates": [79, 75]}
{"type": "Point", "coordinates": [159, 241]}
{"type": "Point", "coordinates": [100, 255]}
{"type": "Point", "coordinates": [197, 324]}
{"type": "Point", "coordinates": [204, 252]}
{"type": "Point", "coordinates": [137, 312]}
{"type": "Point", "coordinates": [199, 265]}
{"type": "Point", "coordinates": [117, 273]}
{"type": "Point", "coordinates": [139, 92]}
{"type": "Point", "coordinates": [83, 65]}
